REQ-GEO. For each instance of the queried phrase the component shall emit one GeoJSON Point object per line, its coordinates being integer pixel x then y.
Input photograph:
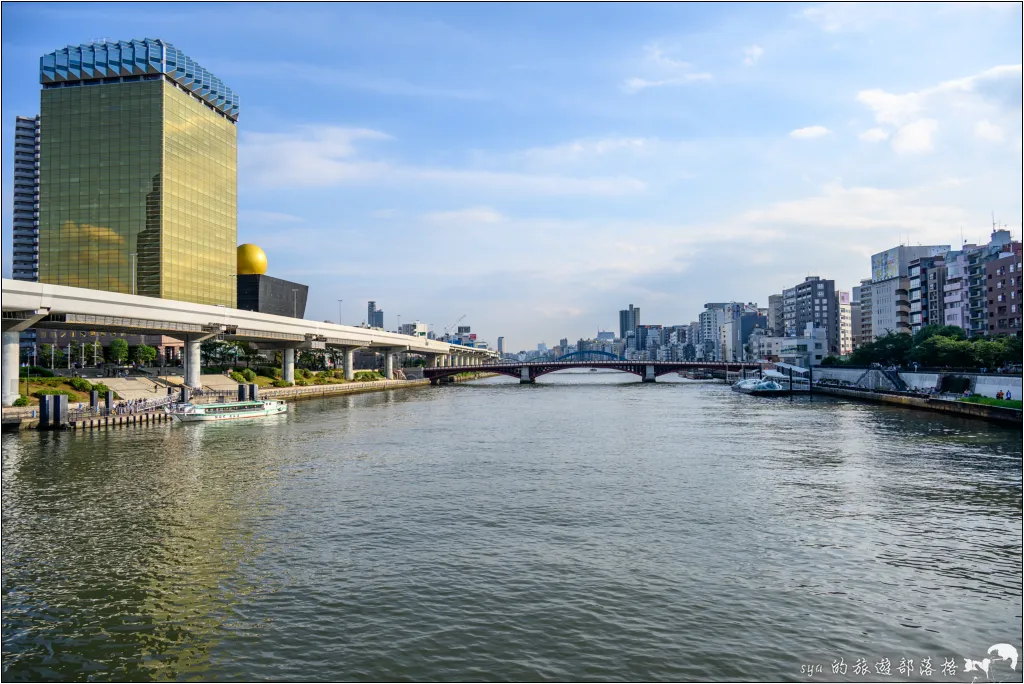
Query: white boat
{"type": "Point", "coordinates": [196, 413]}
{"type": "Point", "coordinates": [760, 388]}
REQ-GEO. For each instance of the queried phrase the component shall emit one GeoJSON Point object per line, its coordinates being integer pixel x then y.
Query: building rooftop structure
{"type": "Point", "coordinates": [135, 60]}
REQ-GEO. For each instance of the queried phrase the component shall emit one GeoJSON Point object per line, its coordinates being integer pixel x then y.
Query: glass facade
{"type": "Point", "coordinates": [138, 190]}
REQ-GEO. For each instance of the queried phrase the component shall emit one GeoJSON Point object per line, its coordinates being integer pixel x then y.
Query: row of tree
{"type": "Point", "coordinates": [118, 351]}
{"type": "Point", "coordinates": [936, 346]}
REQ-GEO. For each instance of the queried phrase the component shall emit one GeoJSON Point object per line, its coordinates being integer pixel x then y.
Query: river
{"type": "Point", "coordinates": [588, 527]}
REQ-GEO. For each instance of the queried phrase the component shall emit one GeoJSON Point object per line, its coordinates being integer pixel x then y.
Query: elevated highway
{"type": "Point", "coordinates": [39, 305]}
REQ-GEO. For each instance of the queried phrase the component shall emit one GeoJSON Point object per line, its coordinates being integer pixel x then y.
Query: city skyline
{"type": "Point", "coordinates": [539, 179]}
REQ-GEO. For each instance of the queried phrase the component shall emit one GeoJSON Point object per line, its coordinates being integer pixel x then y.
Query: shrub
{"type": "Point", "coordinates": [237, 377]}
{"type": "Point", "coordinates": [249, 375]}
{"type": "Point", "coordinates": [50, 391]}
{"type": "Point", "coordinates": [303, 373]}
{"type": "Point", "coordinates": [79, 384]}
{"type": "Point", "coordinates": [368, 376]}
{"type": "Point", "coordinates": [268, 371]}
{"type": "Point", "coordinates": [22, 400]}
{"type": "Point", "coordinates": [301, 382]}
{"type": "Point", "coordinates": [37, 372]}
{"type": "Point", "coordinates": [280, 383]}
{"type": "Point", "coordinates": [103, 389]}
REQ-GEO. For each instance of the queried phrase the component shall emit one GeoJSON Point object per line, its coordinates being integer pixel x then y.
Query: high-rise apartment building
{"type": "Point", "coordinates": [138, 173]}
{"type": "Point", "coordinates": [813, 301]}
{"type": "Point", "coordinates": [628, 320]}
{"type": "Point", "coordinates": [845, 323]}
{"type": "Point", "coordinates": [776, 319]}
{"type": "Point", "coordinates": [1005, 300]}
{"type": "Point", "coordinates": [865, 335]}
{"type": "Point", "coordinates": [501, 346]}
{"type": "Point", "coordinates": [25, 233]}
{"type": "Point", "coordinates": [374, 316]}
{"type": "Point", "coordinates": [926, 291]}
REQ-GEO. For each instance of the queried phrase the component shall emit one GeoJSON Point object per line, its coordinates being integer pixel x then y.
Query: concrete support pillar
{"type": "Point", "coordinates": [193, 363]}
{"type": "Point", "coordinates": [524, 377]}
{"type": "Point", "coordinates": [432, 360]}
{"type": "Point", "coordinates": [288, 365]}
{"type": "Point", "coordinates": [649, 374]}
{"type": "Point", "coordinates": [348, 361]}
{"type": "Point", "coordinates": [11, 364]}
{"type": "Point", "coordinates": [389, 365]}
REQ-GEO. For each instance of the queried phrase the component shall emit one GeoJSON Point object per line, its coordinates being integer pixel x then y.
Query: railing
{"type": "Point", "coordinates": [127, 408]}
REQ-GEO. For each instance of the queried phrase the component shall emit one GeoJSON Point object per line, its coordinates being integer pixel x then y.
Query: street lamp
{"type": "Point", "coordinates": [399, 323]}
{"type": "Point", "coordinates": [295, 303]}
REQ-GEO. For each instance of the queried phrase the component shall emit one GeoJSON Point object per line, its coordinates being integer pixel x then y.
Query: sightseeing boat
{"type": "Point", "coordinates": [760, 388]}
{"type": "Point", "coordinates": [198, 413]}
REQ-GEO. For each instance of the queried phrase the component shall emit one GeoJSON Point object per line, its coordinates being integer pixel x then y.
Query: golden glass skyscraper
{"type": "Point", "coordinates": [138, 173]}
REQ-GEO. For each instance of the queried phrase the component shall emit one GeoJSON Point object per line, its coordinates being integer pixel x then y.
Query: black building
{"type": "Point", "coordinates": [272, 295]}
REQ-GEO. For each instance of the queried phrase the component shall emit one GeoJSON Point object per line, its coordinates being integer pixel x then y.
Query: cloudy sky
{"type": "Point", "coordinates": [539, 167]}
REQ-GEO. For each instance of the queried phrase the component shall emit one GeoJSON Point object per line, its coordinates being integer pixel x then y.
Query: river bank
{"type": "Point", "coordinates": [995, 414]}
{"type": "Point", "coordinates": [27, 418]}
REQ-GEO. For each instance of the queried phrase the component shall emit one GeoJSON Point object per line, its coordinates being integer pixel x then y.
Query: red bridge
{"type": "Point", "coordinates": [529, 372]}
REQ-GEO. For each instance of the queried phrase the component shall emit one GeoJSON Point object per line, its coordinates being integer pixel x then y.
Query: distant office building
{"type": "Point", "coordinates": [999, 245]}
{"type": "Point", "coordinates": [813, 301]}
{"type": "Point", "coordinates": [416, 329]}
{"type": "Point", "coordinates": [501, 346]}
{"type": "Point", "coordinates": [374, 316]}
{"type": "Point", "coordinates": [1005, 302]}
{"type": "Point", "coordinates": [564, 343]}
{"type": "Point", "coordinates": [605, 335]}
{"type": "Point", "coordinates": [137, 173]}
{"type": "Point", "coordinates": [541, 347]}
{"type": "Point", "coordinates": [628, 320]}
{"type": "Point", "coordinates": [714, 316]}
{"type": "Point", "coordinates": [890, 286]}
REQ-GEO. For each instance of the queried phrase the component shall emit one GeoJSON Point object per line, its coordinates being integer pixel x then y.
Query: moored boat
{"type": "Point", "coordinates": [198, 413]}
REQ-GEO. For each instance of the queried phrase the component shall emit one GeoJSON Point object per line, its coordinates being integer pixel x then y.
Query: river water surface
{"type": "Point", "coordinates": [587, 527]}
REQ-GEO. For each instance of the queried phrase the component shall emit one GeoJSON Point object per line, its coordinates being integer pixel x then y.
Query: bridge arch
{"type": "Point", "coordinates": [590, 355]}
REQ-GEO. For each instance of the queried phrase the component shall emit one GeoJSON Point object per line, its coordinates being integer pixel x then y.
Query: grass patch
{"type": "Point", "coordinates": [989, 401]}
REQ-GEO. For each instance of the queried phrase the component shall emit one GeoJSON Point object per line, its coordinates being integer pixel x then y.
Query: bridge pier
{"type": "Point", "coordinates": [11, 363]}
{"type": "Point", "coordinates": [288, 364]}
{"type": "Point", "coordinates": [525, 377]}
{"type": "Point", "coordinates": [648, 375]}
{"type": "Point", "coordinates": [348, 360]}
{"type": "Point", "coordinates": [193, 362]}
{"type": "Point", "coordinates": [389, 364]}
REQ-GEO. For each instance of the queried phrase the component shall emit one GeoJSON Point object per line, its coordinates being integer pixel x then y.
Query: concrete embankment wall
{"type": "Point", "coordinates": [996, 414]}
{"type": "Point", "coordinates": [984, 384]}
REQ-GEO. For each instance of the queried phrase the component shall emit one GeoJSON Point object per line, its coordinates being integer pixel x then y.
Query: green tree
{"type": "Point", "coordinates": [887, 349]}
{"type": "Point", "coordinates": [144, 354]}
{"type": "Point", "coordinates": [117, 351]}
{"type": "Point", "coordinates": [952, 331]}
{"type": "Point", "coordinates": [51, 356]}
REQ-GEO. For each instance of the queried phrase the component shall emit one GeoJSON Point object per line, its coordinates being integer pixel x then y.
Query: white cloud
{"type": "Point", "coordinates": [986, 101]}
{"type": "Point", "coordinates": [663, 71]}
{"type": "Point", "coordinates": [326, 156]}
{"type": "Point", "coordinates": [915, 138]}
{"type": "Point", "coordinates": [752, 54]}
{"type": "Point", "coordinates": [1000, 84]}
{"type": "Point", "coordinates": [633, 85]}
{"type": "Point", "coordinates": [874, 135]}
{"type": "Point", "coordinates": [809, 132]}
{"type": "Point", "coordinates": [462, 217]}
{"type": "Point", "coordinates": [986, 130]}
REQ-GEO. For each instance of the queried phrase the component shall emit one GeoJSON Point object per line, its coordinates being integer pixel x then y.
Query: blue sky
{"type": "Point", "coordinates": [539, 167]}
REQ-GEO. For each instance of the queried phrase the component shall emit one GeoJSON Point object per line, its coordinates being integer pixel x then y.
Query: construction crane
{"type": "Point", "coordinates": [448, 331]}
